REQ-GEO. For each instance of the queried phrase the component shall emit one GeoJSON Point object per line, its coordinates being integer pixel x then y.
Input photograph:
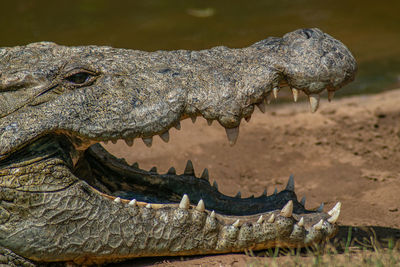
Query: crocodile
{"type": "Point", "coordinates": [65, 199]}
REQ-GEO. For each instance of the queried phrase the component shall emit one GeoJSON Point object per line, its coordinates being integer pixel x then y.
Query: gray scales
{"type": "Point", "coordinates": [63, 198]}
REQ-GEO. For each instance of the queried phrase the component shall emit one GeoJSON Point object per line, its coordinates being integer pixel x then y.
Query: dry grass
{"type": "Point", "coordinates": [361, 247]}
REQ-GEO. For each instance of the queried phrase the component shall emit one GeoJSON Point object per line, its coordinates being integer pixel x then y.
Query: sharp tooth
{"type": "Point", "coordinates": [148, 206]}
{"type": "Point", "coordinates": [212, 215]}
{"type": "Point", "coordinates": [236, 224]}
{"type": "Point", "coordinates": [200, 206]}
{"type": "Point", "coordinates": [295, 93]}
{"type": "Point", "coordinates": [215, 185]}
{"type": "Point", "coordinates": [314, 102]}
{"type": "Point", "coordinates": [205, 175]}
{"type": "Point", "coordinates": [189, 170]}
{"type": "Point", "coordinates": [132, 202]}
{"type": "Point", "coordinates": [272, 218]}
{"type": "Point", "coordinates": [275, 92]}
{"type": "Point", "coordinates": [148, 141]}
{"type": "Point", "coordinates": [303, 201]}
{"type": "Point", "coordinates": [261, 106]}
{"type": "Point", "coordinates": [105, 142]}
{"type": "Point", "coordinates": [248, 118]}
{"type": "Point", "coordinates": [335, 209]}
{"type": "Point", "coordinates": [171, 171]}
{"type": "Point", "coordinates": [114, 141]}
{"type": "Point", "coordinates": [290, 184]}
{"type": "Point", "coordinates": [287, 210]}
{"type": "Point", "coordinates": [335, 212]}
{"type": "Point", "coordinates": [135, 165]}
{"type": "Point", "coordinates": [153, 169]}
{"type": "Point", "coordinates": [318, 226]}
{"type": "Point", "coordinates": [330, 95]}
{"type": "Point", "coordinates": [232, 134]}
{"type": "Point", "coordinates": [260, 219]}
{"type": "Point", "coordinates": [193, 119]}
{"type": "Point", "coordinates": [276, 191]}
{"type": "Point", "coordinates": [178, 126]}
{"type": "Point", "coordinates": [301, 222]}
{"type": "Point", "coordinates": [209, 122]}
{"type": "Point", "coordinates": [265, 192]}
{"type": "Point", "coordinates": [165, 136]}
{"type": "Point", "coordinates": [321, 207]}
{"type": "Point", "coordinates": [238, 195]}
{"type": "Point", "coordinates": [117, 200]}
{"type": "Point", "coordinates": [129, 142]}
{"type": "Point", "coordinates": [184, 202]}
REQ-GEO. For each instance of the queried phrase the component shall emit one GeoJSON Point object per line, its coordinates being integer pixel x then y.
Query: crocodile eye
{"type": "Point", "coordinates": [307, 33]}
{"type": "Point", "coordinates": [79, 78]}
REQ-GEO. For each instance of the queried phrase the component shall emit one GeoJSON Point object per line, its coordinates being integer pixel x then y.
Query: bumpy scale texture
{"type": "Point", "coordinates": [83, 95]}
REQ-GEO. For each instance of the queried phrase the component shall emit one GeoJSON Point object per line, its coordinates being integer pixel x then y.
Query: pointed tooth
{"type": "Point", "coordinates": [295, 93]}
{"type": "Point", "coordinates": [165, 136]}
{"type": "Point", "coordinates": [148, 141]}
{"type": "Point", "coordinates": [321, 207]}
{"type": "Point", "coordinates": [318, 226]}
{"type": "Point", "coordinates": [153, 169]}
{"type": "Point", "coordinates": [129, 142]}
{"type": "Point", "coordinates": [209, 122]}
{"type": "Point", "coordinates": [117, 200]}
{"type": "Point", "coordinates": [148, 206]}
{"type": "Point", "coordinates": [232, 134]}
{"type": "Point", "coordinates": [287, 210]}
{"type": "Point", "coordinates": [200, 206]}
{"type": "Point", "coordinates": [114, 141]}
{"type": "Point", "coordinates": [193, 119]}
{"type": "Point", "coordinates": [171, 171]}
{"type": "Point", "coordinates": [205, 175]}
{"type": "Point", "coordinates": [184, 204]}
{"type": "Point", "coordinates": [248, 118]}
{"type": "Point", "coordinates": [335, 213]}
{"type": "Point", "coordinates": [314, 102]}
{"type": "Point", "coordinates": [132, 202]}
{"type": "Point", "coordinates": [265, 192]}
{"type": "Point", "coordinates": [334, 217]}
{"type": "Point", "coordinates": [236, 224]}
{"type": "Point", "coordinates": [330, 95]}
{"type": "Point", "coordinates": [212, 215]}
{"type": "Point", "coordinates": [303, 201]}
{"type": "Point", "coordinates": [335, 209]}
{"type": "Point", "coordinates": [272, 218]}
{"type": "Point", "coordinates": [215, 185]}
{"type": "Point", "coordinates": [261, 106]}
{"type": "Point", "coordinates": [238, 195]}
{"type": "Point", "coordinates": [301, 222]}
{"type": "Point", "coordinates": [260, 219]}
{"type": "Point", "coordinates": [135, 165]}
{"type": "Point", "coordinates": [276, 191]}
{"type": "Point", "coordinates": [189, 170]}
{"type": "Point", "coordinates": [105, 142]}
{"type": "Point", "coordinates": [178, 126]}
{"type": "Point", "coordinates": [275, 92]}
{"type": "Point", "coordinates": [290, 183]}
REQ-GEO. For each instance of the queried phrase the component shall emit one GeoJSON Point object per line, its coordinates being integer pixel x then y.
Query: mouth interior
{"type": "Point", "coordinates": [115, 178]}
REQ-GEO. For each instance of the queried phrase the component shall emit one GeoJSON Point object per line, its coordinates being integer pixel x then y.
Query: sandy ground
{"type": "Point", "coordinates": [348, 151]}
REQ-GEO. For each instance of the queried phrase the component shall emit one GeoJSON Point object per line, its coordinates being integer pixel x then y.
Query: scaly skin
{"type": "Point", "coordinates": [63, 198]}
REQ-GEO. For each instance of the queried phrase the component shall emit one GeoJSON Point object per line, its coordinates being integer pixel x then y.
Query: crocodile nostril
{"type": "Point", "coordinates": [308, 33]}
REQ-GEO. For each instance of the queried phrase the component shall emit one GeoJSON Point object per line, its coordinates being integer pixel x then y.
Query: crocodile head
{"type": "Point", "coordinates": [64, 198]}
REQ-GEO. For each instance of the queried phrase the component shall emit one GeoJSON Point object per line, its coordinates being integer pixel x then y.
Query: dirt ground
{"type": "Point", "coordinates": [348, 151]}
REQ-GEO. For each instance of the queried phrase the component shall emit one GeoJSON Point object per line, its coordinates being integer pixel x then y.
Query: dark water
{"type": "Point", "coordinates": [371, 29]}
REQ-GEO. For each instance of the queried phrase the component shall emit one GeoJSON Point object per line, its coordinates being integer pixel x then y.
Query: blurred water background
{"type": "Point", "coordinates": [371, 29]}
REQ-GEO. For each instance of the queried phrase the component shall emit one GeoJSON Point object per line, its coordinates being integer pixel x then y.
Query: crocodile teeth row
{"type": "Point", "coordinates": [233, 133]}
{"type": "Point", "coordinates": [287, 211]}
